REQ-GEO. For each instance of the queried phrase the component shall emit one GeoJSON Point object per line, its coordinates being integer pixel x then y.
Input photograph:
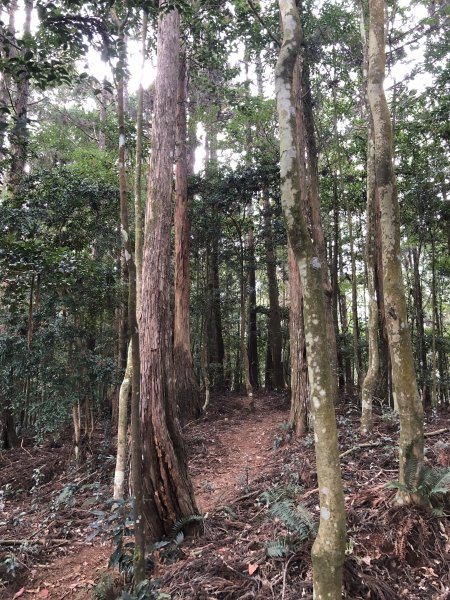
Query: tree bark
{"type": "Point", "coordinates": [369, 386]}
{"type": "Point", "coordinates": [138, 208]}
{"type": "Point", "coordinates": [168, 490]}
{"type": "Point", "coordinates": [277, 376]}
{"type": "Point", "coordinates": [329, 547]}
{"type": "Point", "coordinates": [316, 220]}
{"type": "Point", "coordinates": [402, 362]}
{"type": "Point", "coordinates": [420, 327]}
{"type": "Point", "coordinates": [298, 418]}
{"type": "Point", "coordinates": [187, 392]}
{"type": "Point", "coordinates": [252, 345]}
{"type": "Point", "coordinates": [136, 452]}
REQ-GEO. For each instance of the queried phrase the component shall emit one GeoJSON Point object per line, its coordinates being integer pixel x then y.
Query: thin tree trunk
{"type": "Point", "coordinates": [316, 221]}
{"type": "Point", "coordinates": [252, 346]}
{"type": "Point", "coordinates": [274, 305]}
{"type": "Point", "coordinates": [298, 418]}
{"type": "Point", "coordinates": [136, 465]}
{"type": "Point", "coordinates": [243, 328]}
{"type": "Point", "coordinates": [329, 547]}
{"type": "Point", "coordinates": [187, 392]}
{"type": "Point", "coordinates": [434, 319]}
{"type": "Point", "coordinates": [369, 386]}
{"type": "Point", "coordinates": [403, 373]}
{"type": "Point", "coordinates": [122, 425]}
{"type": "Point", "coordinates": [421, 345]}
{"type": "Point", "coordinates": [168, 490]}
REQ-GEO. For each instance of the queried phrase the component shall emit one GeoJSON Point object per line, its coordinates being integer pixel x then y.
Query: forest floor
{"type": "Point", "coordinates": [239, 461]}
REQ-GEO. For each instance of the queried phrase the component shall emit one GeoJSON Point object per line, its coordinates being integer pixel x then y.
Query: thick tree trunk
{"type": "Point", "coordinates": [276, 341]}
{"type": "Point", "coordinates": [168, 490]}
{"type": "Point", "coordinates": [403, 374]}
{"type": "Point", "coordinates": [138, 208]}
{"type": "Point", "coordinates": [187, 392]}
{"type": "Point", "coordinates": [329, 547]}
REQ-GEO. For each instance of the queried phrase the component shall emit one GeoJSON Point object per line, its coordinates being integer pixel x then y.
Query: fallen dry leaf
{"type": "Point", "coordinates": [43, 593]}
{"type": "Point", "coordinates": [19, 593]}
{"type": "Point", "coordinates": [252, 568]}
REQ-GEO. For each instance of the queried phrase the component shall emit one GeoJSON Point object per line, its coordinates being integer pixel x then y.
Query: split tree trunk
{"type": "Point", "coordinates": [329, 547]}
{"type": "Point", "coordinates": [403, 373]}
{"type": "Point", "coordinates": [167, 486]}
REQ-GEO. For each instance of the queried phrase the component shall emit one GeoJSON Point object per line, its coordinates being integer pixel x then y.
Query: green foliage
{"type": "Point", "coordinates": [57, 259]}
{"type": "Point", "coordinates": [299, 522]}
{"type": "Point", "coordinates": [432, 485]}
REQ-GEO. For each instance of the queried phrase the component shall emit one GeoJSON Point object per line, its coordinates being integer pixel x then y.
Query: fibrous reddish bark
{"type": "Point", "coordinates": [187, 392]}
{"type": "Point", "coordinates": [168, 490]}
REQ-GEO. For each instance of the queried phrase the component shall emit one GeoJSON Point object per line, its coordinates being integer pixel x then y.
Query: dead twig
{"type": "Point", "coordinates": [358, 447]}
{"type": "Point", "coordinates": [437, 432]}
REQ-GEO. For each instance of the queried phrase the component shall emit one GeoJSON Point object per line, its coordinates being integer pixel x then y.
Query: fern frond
{"type": "Point", "coordinates": [276, 548]}
{"type": "Point", "coordinates": [181, 523]}
{"type": "Point", "coordinates": [441, 484]}
{"type": "Point", "coordinates": [297, 520]}
{"type": "Point", "coordinates": [411, 464]}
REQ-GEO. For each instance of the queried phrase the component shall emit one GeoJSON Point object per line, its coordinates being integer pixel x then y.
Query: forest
{"type": "Point", "coordinates": [224, 299]}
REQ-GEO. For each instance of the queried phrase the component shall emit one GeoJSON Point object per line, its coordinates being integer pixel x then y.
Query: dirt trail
{"type": "Point", "coordinates": [228, 449]}
{"type": "Point", "coordinates": [232, 446]}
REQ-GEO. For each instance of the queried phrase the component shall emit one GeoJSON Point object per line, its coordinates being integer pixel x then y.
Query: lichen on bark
{"type": "Point", "coordinates": [329, 547]}
{"type": "Point", "coordinates": [403, 373]}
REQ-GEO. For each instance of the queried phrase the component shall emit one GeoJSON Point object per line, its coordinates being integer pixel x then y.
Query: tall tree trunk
{"type": "Point", "coordinates": [187, 392]}
{"type": "Point", "coordinates": [215, 337]}
{"type": "Point", "coordinates": [403, 374]}
{"type": "Point", "coordinates": [274, 305]}
{"type": "Point", "coordinates": [421, 345]}
{"type": "Point", "coordinates": [136, 452]}
{"type": "Point", "coordinates": [252, 346]}
{"type": "Point", "coordinates": [434, 326]}
{"type": "Point", "coordinates": [316, 221]}
{"type": "Point", "coordinates": [369, 386]}
{"type": "Point", "coordinates": [244, 328]}
{"type": "Point", "coordinates": [138, 208]}
{"type": "Point", "coordinates": [168, 490]}
{"type": "Point", "coordinates": [329, 547]}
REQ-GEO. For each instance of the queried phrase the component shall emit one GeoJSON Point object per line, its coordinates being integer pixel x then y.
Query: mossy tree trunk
{"type": "Point", "coordinates": [329, 547]}
{"type": "Point", "coordinates": [402, 362]}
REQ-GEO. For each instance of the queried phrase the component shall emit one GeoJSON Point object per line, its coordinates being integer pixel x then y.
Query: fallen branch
{"type": "Point", "coordinates": [60, 542]}
{"type": "Point", "coordinates": [437, 432]}
{"type": "Point", "coordinates": [358, 447]}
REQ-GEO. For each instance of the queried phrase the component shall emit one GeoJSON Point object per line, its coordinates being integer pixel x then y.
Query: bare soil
{"type": "Point", "coordinates": [235, 456]}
